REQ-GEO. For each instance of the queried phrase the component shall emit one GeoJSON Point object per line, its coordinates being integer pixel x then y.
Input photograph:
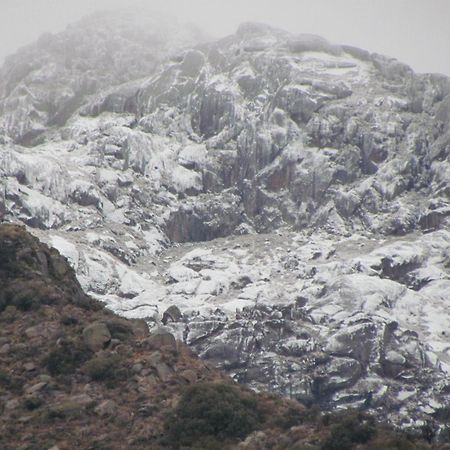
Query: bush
{"type": "Point", "coordinates": [9, 314]}
{"type": "Point", "coordinates": [211, 413]}
{"type": "Point", "coordinates": [352, 429]}
{"type": "Point", "coordinates": [5, 379]}
{"type": "Point", "coordinates": [33, 403]}
{"type": "Point", "coordinates": [443, 414]}
{"type": "Point", "coordinates": [66, 359]}
{"type": "Point", "coordinates": [28, 294]}
{"type": "Point", "coordinates": [292, 417]}
{"type": "Point", "coordinates": [392, 442]}
{"type": "Point", "coordinates": [11, 384]}
{"type": "Point", "coordinates": [105, 368]}
{"type": "Point", "coordinates": [24, 299]}
{"type": "Point", "coordinates": [69, 321]}
{"type": "Point", "coordinates": [119, 330]}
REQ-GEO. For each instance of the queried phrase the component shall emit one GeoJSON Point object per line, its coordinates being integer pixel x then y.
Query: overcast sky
{"type": "Point", "coordinates": [416, 32]}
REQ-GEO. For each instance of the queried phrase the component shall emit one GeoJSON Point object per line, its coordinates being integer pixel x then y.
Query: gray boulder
{"type": "Point", "coordinates": [96, 336]}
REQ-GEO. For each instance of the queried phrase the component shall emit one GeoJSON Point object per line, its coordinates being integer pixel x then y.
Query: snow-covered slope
{"type": "Point", "coordinates": [279, 202]}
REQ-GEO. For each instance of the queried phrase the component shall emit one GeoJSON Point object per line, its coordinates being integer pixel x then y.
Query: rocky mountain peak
{"type": "Point", "coordinates": [43, 84]}
{"type": "Point", "coordinates": [281, 202]}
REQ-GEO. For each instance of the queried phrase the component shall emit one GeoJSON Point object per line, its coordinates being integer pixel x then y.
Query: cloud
{"type": "Point", "coordinates": [413, 31]}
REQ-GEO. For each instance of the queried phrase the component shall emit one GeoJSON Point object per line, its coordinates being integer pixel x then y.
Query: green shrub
{"type": "Point", "coordinates": [69, 320]}
{"type": "Point", "coordinates": [33, 403]}
{"type": "Point", "coordinates": [67, 358]}
{"type": "Point", "coordinates": [29, 293]}
{"type": "Point", "coordinates": [24, 300]}
{"type": "Point", "coordinates": [392, 443]}
{"type": "Point", "coordinates": [5, 379]}
{"type": "Point", "coordinates": [11, 384]}
{"type": "Point", "coordinates": [119, 330]}
{"type": "Point", "coordinates": [210, 413]}
{"type": "Point", "coordinates": [9, 314]}
{"type": "Point", "coordinates": [352, 429]}
{"type": "Point", "coordinates": [292, 417]}
{"type": "Point", "coordinates": [103, 368]}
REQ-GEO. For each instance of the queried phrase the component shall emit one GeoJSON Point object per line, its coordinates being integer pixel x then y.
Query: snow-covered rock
{"type": "Point", "coordinates": [287, 197]}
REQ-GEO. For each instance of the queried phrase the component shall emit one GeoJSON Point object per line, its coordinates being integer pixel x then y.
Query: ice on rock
{"type": "Point", "coordinates": [193, 155]}
{"type": "Point", "coordinates": [67, 249]}
{"type": "Point", "coordinates": [181, 273]}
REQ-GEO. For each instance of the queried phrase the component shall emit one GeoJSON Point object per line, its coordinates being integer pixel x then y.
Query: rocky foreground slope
{"type": "Point", "coordinates": [279, 203]}
{"type": "Point", "coordinates": [75, 375]}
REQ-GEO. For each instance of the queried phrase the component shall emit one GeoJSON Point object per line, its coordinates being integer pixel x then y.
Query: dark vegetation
{"type": "Point", "coordinates": [109, 369]}
{"type": "Point", "coordinates": [66, 358]}
{"type": "Point", "coordinates": [213, 413]}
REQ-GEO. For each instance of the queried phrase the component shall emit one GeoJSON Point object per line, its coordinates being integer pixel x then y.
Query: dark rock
{"type": "Point", "coordinates": [172, 314]}
{"type": "Point", "coordinates": [339, 373]}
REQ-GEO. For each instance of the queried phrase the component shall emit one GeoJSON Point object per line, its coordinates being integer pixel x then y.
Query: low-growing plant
{"type": "Point", "coordinates": [66, 358]}
{"type": "Point", "coordinates": [292, 417]}
{"type": "Point", "coordinates": [119, 330]}
{"type": "Point", "coordinates": [33, 403]}
{"type": "Point", "coordinates": [211, 413]}
{"type": "Point", "coordinates": [69, 321]}
{"type": "Point", "coordinates": [351, 429]}
{"type": "Point", "coordinates": [5, 379]}
{"type": "Point", "coordinates": [9, 314]}
{"type": "Point", "coordinates": [106, 368]}
{"type": "Point", "coordinates": [10, 383]}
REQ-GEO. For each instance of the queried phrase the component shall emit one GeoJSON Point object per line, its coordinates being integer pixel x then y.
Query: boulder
{"type": "Point", "coordinates": [164, 371]}
{"type": "Point", "coordinates": [172, 314]}
{"type": "Point", "coordinates": [162, 339]}
{"type": "Point", "coordinates": [106, 408]}
{"type": "Point", "coordinates": [140, 328]}
{"type": "Point", "coordinates": [73, 407]}
{"type": "Point", "coordinates": [4, 349]}
{"type": "Point", "coordinates": [189, 375]}
{"type": "Point", "coordinates": [35, 388]}
{"type": "Point", "coordinates": [96, 336]}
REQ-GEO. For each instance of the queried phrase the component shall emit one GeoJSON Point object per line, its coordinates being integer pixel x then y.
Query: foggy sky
{"type": "Point", "coordinates": [416, 32]}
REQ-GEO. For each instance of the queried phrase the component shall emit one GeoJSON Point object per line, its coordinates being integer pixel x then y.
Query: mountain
{"type": "Point", "coordinates": [277, 202]}
{"type": "Point", "coordinates": [75, 375]}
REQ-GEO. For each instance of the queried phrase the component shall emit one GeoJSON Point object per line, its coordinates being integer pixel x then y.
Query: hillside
{"type": "Point", "coordinates": [75, 375]}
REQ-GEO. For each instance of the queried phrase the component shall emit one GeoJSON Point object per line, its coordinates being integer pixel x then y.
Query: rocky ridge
{"type": "Point", "coordinates": [279, 202]}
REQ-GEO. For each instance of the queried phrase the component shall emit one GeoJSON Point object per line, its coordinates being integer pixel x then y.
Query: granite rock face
{"type": "Point", "coordinates": [45, 83]}
{"type": "Point", "coordinates": [288, 198]}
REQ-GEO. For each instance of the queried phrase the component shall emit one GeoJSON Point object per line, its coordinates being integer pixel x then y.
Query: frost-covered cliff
{"type": "Point", "coordinates": [285, 199]}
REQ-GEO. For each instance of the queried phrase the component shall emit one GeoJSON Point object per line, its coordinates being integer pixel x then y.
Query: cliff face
{"type": "Point", "coordinates": [46, 82]}
{"type": "Point", "coordinates": [286, 197]}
